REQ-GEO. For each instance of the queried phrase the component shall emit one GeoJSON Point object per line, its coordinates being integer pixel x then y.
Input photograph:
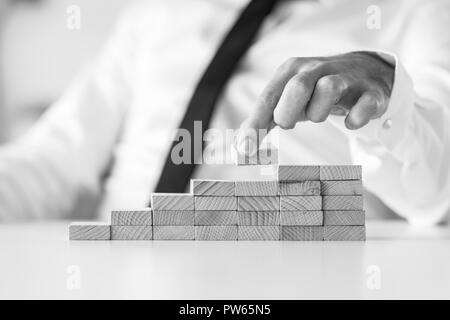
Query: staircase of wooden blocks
{"type": "Point", "coordinates": [306, 203]}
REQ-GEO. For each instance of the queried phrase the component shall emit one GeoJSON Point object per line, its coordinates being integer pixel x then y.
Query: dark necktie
{"type": "Point", "coordinates": [175, 177]}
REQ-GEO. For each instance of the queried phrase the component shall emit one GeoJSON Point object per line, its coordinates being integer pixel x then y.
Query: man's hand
{"type": "Point", "coordinates": [354, 85]}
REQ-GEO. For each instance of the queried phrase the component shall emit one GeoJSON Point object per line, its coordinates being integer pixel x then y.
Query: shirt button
{"type": "Point", "coordinates": [387, 124]}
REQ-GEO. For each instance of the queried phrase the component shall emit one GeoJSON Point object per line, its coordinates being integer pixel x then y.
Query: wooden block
{"type": "Point", "coordinates": [172, 201]}
{"type": "Point", "coordinates": [216, 233]}
{"type": "Point", "coordinates": [265, 156]}
{"type": "Point", "coordinates": [256, 188]}
{"type": "Point", "coordinates": [132, 217]}
{"type": "Point", "coordinates": [301, 233]}
{"type": "Point", "coordinates": [302, 188]}
{"type": "Point", "coordinates": [173, 232]}
{"type": "Point", "coordinates": [215, 218]}
{"type": "Point", "coordinates": [213, 188]}
{"type": "Point", "coordinates": [131, 233]}
{"type": "Point", "coordinates": [259, 233]}
{"type": "Point", "coordinates": [344, 218]}
{"type": "Point", "coordinates": [342, 203]}
{"type": "Point", "coordinates": [173, 217]}
{"type": "Point", "coordinates": [340, 172]}
{"type": "Point", "coordinates": [295, 203]}
{"type": "Point", "coordinates": [341, 187]}
{"type": "Point", "coordinates": [216, 203]}
{"type": "Point", "coordinates": [301, 218]}
{"type": "Point", "coordinates": [298, 173]}
{"type": "Point", "coordinates": [344, 233]}
{"type": "Point", "coordinates": [259, 218]}
{"type": "Point", "coordinates": [271, 203]}
{"type": "Point", "coordinates": [89, 231]}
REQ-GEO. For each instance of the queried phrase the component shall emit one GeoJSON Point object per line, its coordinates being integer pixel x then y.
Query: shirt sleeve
{"type": "Point", "coordinates": [64, 156]}
{"type": "Point", "coordinates": [406, 153]}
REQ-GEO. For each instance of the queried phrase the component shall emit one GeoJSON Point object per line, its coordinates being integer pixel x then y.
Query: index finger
{"type": "Point", "coordinates": [260, 122]}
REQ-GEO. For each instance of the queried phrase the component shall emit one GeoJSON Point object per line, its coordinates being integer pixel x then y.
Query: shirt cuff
{"type": "Point", "coordinates": [390, 129]}
{"type": "Point", "coordinates": [393, 124]}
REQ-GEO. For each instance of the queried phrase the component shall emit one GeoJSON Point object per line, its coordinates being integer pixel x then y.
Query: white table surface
{"type": "Point", "coordinates": [413, 263]}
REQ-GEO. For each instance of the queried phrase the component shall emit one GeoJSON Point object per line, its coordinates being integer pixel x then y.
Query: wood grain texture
{"type": "Point", "coordinates": [173, 217]}
{"type": "Point", "coordinates": [341, 188]}
{"type": "Point", "coordinates": [294, 203]}
{"type": "Point", "coordinates": [172, 201]}
{"type": "Point", "coordinates": [346, 172]}
{"type": "Point", "coordinates": [302, 188]}
{"type": "Point", "coordinates": [216, 233]}
{"type": "Point", "coordinates": [173, 233]}
{"type": "Point", "coordinates": [344, 218]}
{"type": "Point", "coordinates": [142, 217]}
{"type": "Point", "coordinates": [301, 233]}
{"type": "Point", "coordinates": [213, 188]}
{"type": "Point", "coordinates": [258, 218]}
{"type": "Point", "coordinates": [342, 203]}
{"type": "Point", "coordinates": [259, 233]}
{"type": "Point", "coordinates": [215, 203]}
{"type": "Point", "coordinates": [265, 156]}
{"type": "Point", "coordinates": [301, 218]}
{"type": "Point", "coordinates": [251, 203]}
{"type": "Point", "coordinates": [298, 173]}
{"type": "Point", "coordinates": [131, 233]}
{"type": "Point", "coordinates": [256, 188]}
{"type": "Point", "coordinates": [89, 231]}
{"type": "Point", "coordinates": [344, 233]}
{"type": "Point", "coordinates": [215, 218]}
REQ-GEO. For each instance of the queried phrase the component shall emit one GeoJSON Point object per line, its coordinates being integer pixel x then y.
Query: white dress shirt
{"type": "Point", "coordinates": [106, 139]}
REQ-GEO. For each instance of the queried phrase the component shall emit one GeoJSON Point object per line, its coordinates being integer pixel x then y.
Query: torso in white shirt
{"type": "Point", "coordinates": [175, 48]}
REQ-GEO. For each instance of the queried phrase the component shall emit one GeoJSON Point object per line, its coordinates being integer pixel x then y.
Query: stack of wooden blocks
{"type": "Point", "coordinates": [306, 203]}
{"type": "Point", "coordinates": [321, 203]}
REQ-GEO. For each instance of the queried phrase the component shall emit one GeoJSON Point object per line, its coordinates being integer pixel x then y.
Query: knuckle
{"type": "Point", "coordinates": [373, 103]}
{"type": "Point", "coordinates": [371, 99]}
{"type": "Point", "coordinates": [329, 84]}
{"type": "Point", "coordinates": [297, 82]}
{"type": "Point", "coordinates": [310, 65]}
{"type": "Point", "coordinates": [290, 64]}
{"type": "Point", "coordinates": [300, 82]}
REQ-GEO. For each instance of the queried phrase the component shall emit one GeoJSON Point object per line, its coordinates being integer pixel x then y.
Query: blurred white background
{"type": "Point", "coordinates": [40, 55]}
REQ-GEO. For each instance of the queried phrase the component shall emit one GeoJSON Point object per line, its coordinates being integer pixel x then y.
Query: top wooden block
{"type": "Point", "coordinates": [172, 201]}
{"type": "Point", "coordinates": [142, 217]}
{"type": "Point", "coordinates": [300, 188]}
{"type": "Point", "coordinates": [213, 188]}
{"type": "Point", "coordinates": [256, 188]}
{"type": "Point", "coordinates": [347, 172]}
{"type": "Point", "coordinates": [298, 173]}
